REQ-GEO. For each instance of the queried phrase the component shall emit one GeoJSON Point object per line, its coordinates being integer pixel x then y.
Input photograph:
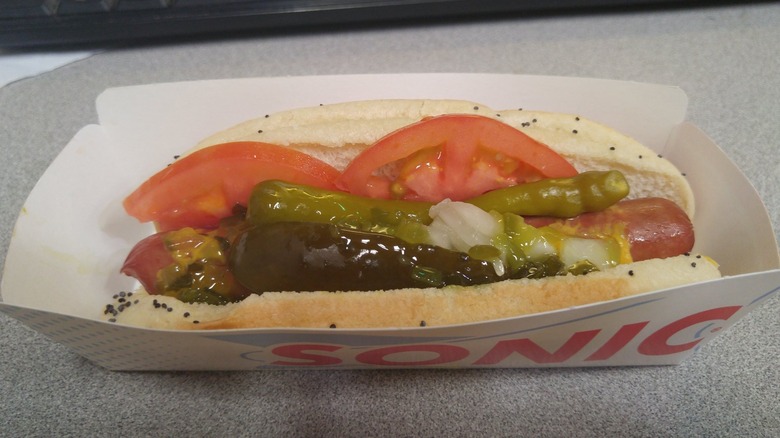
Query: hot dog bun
{"type": "Point", "coordinates": [336, 133]}
{"type": "Point", "coordinates": [415, 307]}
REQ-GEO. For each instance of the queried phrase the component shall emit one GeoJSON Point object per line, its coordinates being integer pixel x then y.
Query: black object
{"type": "Point", "coordinates": [28, 23]}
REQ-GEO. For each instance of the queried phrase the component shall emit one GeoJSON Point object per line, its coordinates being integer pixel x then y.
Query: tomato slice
{"type": "Point", "coordinates": [204, 187]}
{"type": "Point", "coordinates": [455, 156]}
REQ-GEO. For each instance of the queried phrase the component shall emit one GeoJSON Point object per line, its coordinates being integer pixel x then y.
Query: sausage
{"type": "Point", "coordinates": [653, 227]}
{"type": "Point", "coordinates": [145, 259]}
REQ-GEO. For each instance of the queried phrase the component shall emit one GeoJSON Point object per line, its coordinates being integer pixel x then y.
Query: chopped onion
{"type": "Point", "coordinates": [460, 226]}
{"type": "Point", "coordinates": [464, 225]}
{"type": "Point", "coordinates": [576, 249]}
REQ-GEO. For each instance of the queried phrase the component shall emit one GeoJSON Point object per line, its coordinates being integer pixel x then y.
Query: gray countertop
{"type": "Point", "coordinates": [726, 58]}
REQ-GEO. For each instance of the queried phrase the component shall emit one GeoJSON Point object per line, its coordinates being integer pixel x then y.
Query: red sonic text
{"type": "Point", "coordinates": [504, 352]}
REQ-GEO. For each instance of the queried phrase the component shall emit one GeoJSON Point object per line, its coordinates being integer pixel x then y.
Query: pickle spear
{"type": "Point", "coordinates": [306, 256]}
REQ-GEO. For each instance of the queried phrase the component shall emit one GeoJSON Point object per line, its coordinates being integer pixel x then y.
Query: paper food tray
{"type": "Point", "coordinates": [72, 234]}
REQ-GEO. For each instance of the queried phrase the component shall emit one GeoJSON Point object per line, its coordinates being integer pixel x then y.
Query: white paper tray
{"type": "Point", "coordinates": [72, 234]}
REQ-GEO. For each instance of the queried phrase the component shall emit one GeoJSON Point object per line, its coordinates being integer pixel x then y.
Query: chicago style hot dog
{"type": "Point", "coordinates": [405, 213]}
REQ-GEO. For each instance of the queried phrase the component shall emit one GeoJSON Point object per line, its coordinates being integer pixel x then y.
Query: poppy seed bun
{"type": "Point", "coordinates": [336, 133]}
{"type": "Point", "coordinates": [413, 307]}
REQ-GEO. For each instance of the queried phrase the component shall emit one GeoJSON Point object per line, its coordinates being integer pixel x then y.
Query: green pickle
{"type": "Point", "coordinates": [324, 257]}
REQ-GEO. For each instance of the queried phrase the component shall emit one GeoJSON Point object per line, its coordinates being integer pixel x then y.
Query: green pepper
{"type": "Point", "coordinates": [277, 201]}
{"type": "Point", "coordinates": [558, 197]}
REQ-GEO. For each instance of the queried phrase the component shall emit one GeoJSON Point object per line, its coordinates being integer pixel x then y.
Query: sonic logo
{"type": "Point", "coordinates": [590, 346]}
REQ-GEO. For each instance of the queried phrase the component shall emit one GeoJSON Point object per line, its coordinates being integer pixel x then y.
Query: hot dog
{"type": "Point", "coordinates": [654, 254]}
{"type": "Point", "coordinates": [653, 227]}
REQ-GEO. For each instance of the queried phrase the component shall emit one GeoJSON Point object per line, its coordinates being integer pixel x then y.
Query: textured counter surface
{"type": "Point", "coordinates": [725, 58]}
